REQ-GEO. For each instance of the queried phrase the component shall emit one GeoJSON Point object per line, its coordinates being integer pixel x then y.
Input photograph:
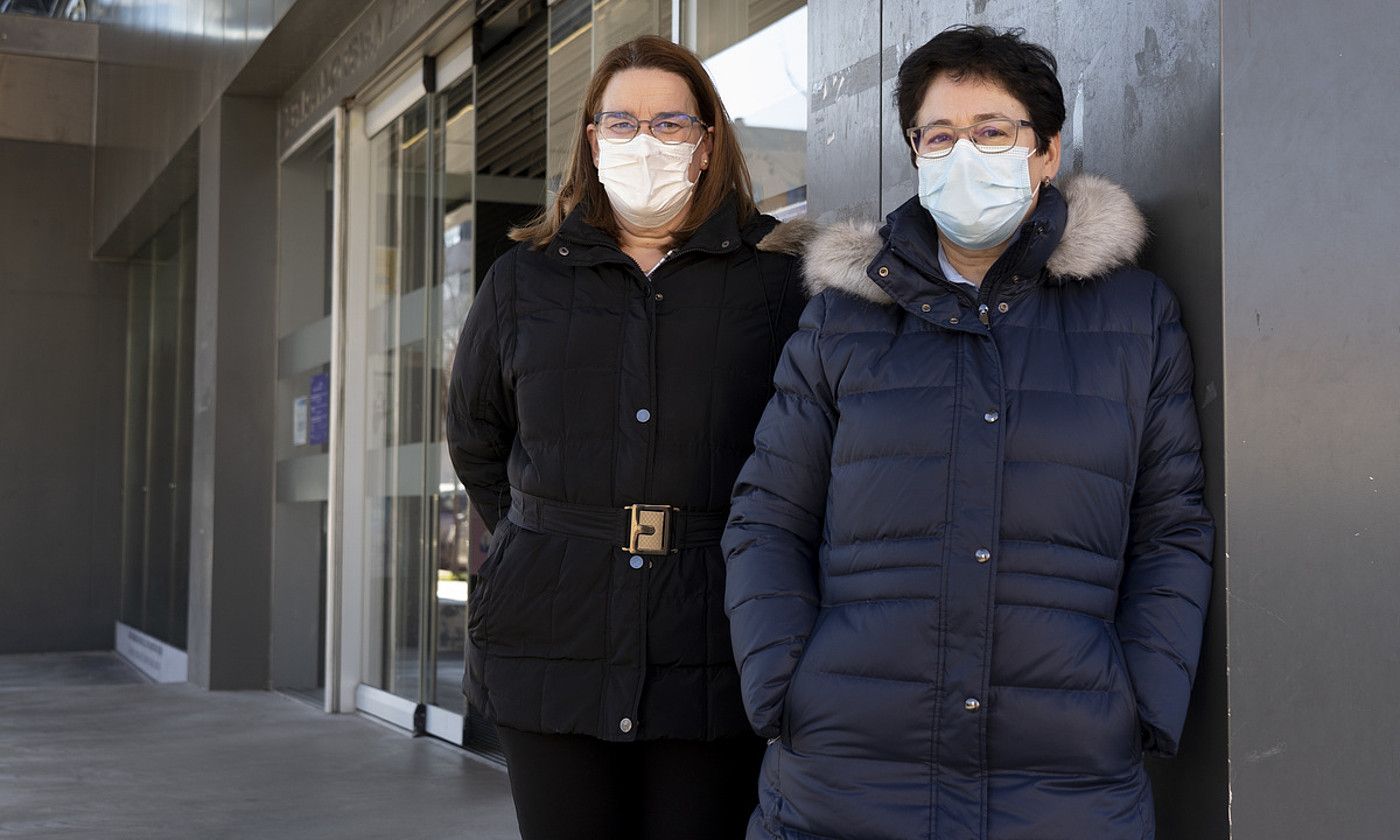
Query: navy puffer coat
{"type": "Point", "coordinates": [968, 561]}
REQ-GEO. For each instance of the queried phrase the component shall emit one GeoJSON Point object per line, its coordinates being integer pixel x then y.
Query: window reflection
{"type": "Point", "coordinates": [762, 79]}
{"type": "Point", "coordinates": [756, 51]}
{"type": "Point", "coordinates": [618, 21]}
{"type": "Point", "coordinates": [570, 64]}
{"type": "Point", "coordinates": [460, 536]}
{"type": "Point", "coordinates": [396, 358]}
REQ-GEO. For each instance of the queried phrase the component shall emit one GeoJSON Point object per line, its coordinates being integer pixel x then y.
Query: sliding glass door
{"type": "Point", "coordinates": [458, 537]}
{"type": "Point", "coordinates": [396, 495]}
{"type": "Point", "coordinates": [421, 536]}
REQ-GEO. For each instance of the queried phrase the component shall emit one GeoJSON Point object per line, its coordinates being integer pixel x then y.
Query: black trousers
{"type": "Point", "coordinates": [574, 786]}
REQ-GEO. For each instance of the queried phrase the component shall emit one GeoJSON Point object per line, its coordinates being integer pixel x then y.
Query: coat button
{"type": "Point", "coordinates": [625, 724]}
{"type": "Point", "coordinates": [884, 271]}
{"type": "Point", "coordinates": [992, 416]}
{"type": "Point", "coordinates": [1003, 307]}
{"type": "Point", "coordinates": [636, 562]}
{"type": "Point", "coordinates": [643, 415]}
{"type": "Point", "coordinates": [660, 296]}
{"type": "Point", "coordinates": [926, 307]}
{"type": "Point", "coordinates": [953, 320]}
{"type": "Point", "coordinates": [563, 252]}
{"type": "Point", "coordinates": [724, 244]}
{"type": "Point", "coordinates": [971, 704]}
{"type": "Point", "coordinates": [982, 555]}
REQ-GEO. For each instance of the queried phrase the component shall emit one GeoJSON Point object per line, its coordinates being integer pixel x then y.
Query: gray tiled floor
{"type": "Point", "coordinates": [90, 749]}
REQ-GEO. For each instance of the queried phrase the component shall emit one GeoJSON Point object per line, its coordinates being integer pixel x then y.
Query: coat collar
{"type": "Point", "coordinates": [579, 243]}
{"type": "Point", "coordinates": [1076, 234]}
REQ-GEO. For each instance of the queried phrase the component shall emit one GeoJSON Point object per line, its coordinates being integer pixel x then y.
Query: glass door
{"type": "Point", "coordinates": [158, 435]}
{"type": "Point", "coordinates": [421, 537]}
{"type": "Point", "coordinates": [305, 302]}
{"type": "Point", "coordinates": [397, 498]}
{"type": "Point", "coordinates": [459, 536]}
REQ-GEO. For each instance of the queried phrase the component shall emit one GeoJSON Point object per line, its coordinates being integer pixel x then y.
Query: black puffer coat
{"type": "Point", "coordinates": [579, 380]}
{"type": "Point", "coordinates": [969, 560]}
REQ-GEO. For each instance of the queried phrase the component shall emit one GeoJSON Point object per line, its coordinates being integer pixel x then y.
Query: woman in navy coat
{"type": "Point", "coordinates": [968, 561]}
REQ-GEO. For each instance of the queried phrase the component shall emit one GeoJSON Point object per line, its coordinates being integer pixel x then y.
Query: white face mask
{"type": "Point", "coordinates": [977, 200]}
{"type": "Point", "coordinates": [647, 181]}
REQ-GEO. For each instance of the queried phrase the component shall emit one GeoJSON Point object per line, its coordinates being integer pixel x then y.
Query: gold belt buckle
{"type": "Point", "coordinates": [649, 531]}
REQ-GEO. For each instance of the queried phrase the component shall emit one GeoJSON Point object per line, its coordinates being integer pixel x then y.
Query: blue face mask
{"type": "Point", "coordinates": [976, 199]}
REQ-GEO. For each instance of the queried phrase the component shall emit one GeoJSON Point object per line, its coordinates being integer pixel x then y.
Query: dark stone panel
{"type": "Point", "coordinates": [1312, 340]}
{"type": "Point", "coordinates": [843, 135]}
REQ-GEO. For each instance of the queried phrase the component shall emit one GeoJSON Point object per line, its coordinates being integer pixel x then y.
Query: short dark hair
{"type": "Point", "coordinates": [1027, 72]}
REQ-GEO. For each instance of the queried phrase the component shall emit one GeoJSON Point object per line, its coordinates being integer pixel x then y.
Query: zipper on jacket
{"type": "Point", "coordinates": [664, 257]}
{"type": "Point", "coordinates": [985, 296]}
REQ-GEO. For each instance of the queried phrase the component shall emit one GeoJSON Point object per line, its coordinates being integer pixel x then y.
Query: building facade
{"type": "Point", "coordinates": [241, 238]}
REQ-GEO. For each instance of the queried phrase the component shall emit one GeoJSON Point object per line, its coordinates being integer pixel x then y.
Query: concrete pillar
{"type": "Point", "coordinates": [234, 389]}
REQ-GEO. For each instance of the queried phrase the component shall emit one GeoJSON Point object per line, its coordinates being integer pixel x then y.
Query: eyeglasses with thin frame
{"type": "Point", "coordinates": [988, 136]}
{"type": "Point", "coordinates": [672, 129]}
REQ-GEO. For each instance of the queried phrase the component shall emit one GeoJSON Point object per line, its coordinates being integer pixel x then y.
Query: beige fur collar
{"type": "Point", "coordinates": [1103, 231]}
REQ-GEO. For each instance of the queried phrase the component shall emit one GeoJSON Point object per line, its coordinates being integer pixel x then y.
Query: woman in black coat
{"type": "Point", "coordinates": [969, 559]}
{"type": "Point", "coordinates": [604, 396]}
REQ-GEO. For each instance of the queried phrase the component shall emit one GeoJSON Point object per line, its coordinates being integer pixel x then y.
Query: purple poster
{"type": "Point", "coordinates": [319, 410]}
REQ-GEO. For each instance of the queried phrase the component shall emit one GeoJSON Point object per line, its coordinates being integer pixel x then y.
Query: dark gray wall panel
{"type": "Point", "coordinates": [1312, 325]}
{"type": "Point", "coordinates": [843, 133]}
{"type": "Point", "coordinates": [62, 336]}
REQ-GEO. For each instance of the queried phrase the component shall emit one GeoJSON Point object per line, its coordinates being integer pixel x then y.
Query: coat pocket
{"type": "Point", "coordinates": [1126, 690]}
{"type": "Point", "coordinates": [791, 692]}
{"type": "Point", "coordinates": [479, 585]}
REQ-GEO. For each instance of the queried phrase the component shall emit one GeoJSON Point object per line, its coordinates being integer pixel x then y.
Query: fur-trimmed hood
{"type": "Point", "coordinates": [1091, 226]}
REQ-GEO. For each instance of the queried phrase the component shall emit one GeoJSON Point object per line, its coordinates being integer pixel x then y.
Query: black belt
{"type": "Point", "coordinates": [639, 529]}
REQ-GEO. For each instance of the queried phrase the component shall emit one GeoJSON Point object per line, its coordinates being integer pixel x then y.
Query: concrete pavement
{"type": "Point", "coordinates": [89, 748]}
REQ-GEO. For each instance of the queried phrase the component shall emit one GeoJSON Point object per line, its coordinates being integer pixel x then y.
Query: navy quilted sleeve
{"type": "Point", "coordinates": [1167, 577]}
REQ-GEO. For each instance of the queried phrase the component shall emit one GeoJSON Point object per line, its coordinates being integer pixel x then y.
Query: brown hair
{"type": "Point", "coordinates": [580, 185]}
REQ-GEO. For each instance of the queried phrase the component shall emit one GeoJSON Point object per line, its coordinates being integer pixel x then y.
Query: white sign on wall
{"type": "Point", "coordinates": [151, 656]}
{"type": "Point", "coordinates": [300, 420]}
